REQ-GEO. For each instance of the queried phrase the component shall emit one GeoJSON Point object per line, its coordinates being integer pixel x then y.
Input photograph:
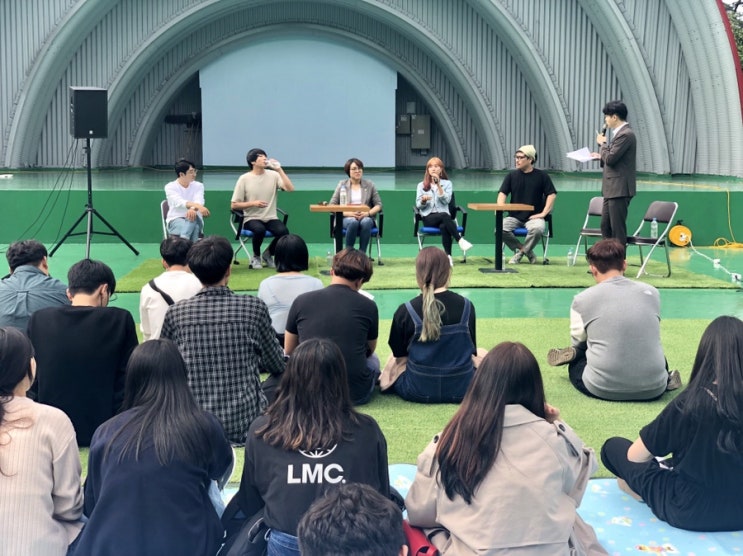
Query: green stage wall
{"type": "Point", "coordinates": [135, 214]}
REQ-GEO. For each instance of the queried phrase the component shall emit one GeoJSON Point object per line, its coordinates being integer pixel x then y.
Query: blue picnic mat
{"type": "Point", "coordinates": [623, 525]}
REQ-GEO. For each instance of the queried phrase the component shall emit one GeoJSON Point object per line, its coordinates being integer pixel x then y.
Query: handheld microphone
{"type": "Point", "coordinates": [603, 130]}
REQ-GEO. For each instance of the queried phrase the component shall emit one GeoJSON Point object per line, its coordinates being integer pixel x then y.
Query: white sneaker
{"type": "Point", "coordinates": [516, 259]}
{"type": "Point", "coordinates": [268, 259]}
{"type": "Point", "coordinates": [255, 262]}
{"type": "Point", "coordinates": [451, 261]}
{"type": "Point", "coordinates": [464, 245]}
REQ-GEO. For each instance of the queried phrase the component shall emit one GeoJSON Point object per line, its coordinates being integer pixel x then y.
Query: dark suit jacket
{"type": "Point", "coordinates": [618, 160]}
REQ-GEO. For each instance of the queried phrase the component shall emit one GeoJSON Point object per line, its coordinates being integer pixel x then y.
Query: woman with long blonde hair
{"type": "Point", "coordinates": [434, 199]}
{"type": "Point", "coordinates": [433, 338]}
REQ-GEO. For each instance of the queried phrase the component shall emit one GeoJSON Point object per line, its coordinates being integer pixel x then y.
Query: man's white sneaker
{"type": "Point", "coordinates": [451, 261]}
{"type": "Point", "coordinates": [464, 245]}
{"type": "Point", "coordinates": [268, 259]}
{"type": "Point", "coordinates": [255, 262]}
{"type": "Point", "coordinates": [516, 259]}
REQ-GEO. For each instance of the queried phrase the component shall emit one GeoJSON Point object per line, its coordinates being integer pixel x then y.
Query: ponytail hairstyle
{"type": "Point", "coordinates": [432, 271]}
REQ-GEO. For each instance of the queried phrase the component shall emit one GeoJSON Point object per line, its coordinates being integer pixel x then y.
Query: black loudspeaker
{"type": "Point", "coordinates": [88, 112]}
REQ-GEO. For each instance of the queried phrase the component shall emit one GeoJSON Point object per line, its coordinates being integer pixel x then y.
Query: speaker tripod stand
{"type": "Point", "coordinates": [89, 213]}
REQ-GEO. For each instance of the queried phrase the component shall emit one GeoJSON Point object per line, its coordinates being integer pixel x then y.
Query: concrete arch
{"type": "Point", "coordinates": [537, 76]}
{"type": "Point", "coordinates": [50, 65]}
{"type": "Point", "coordinates": [151, 119]}
{"type": "Point", "coordinates": [398, 33]}
{"type": "Point", "coordinates": [640, 91]}
{"type": "Point", "coordinates": [720, 132]}
{"type": "Point", "coordinates": [152, 50]}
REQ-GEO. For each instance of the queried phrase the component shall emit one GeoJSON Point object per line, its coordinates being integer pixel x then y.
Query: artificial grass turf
{"type": "Point", "coordinates": [408, 427]}
{"type": "Point", "coordinates": [399, 273]}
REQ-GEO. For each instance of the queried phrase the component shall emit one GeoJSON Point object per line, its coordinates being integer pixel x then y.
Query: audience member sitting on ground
{"type": "Point", "coordinates": [358, 192]}
{"type": "Point", "coordinates": [186, 210]}
{"type": "Point", "coordinates": [256, 193]}
{"type": "Point", "coordinates": [352, 519]}
{"type": "Point", "coordinates": [340, 314]}
{"type": "Point", "coordinates": [433, 199]}
{"type": "Point", "coordinates": [174, 284]}
{"type": "Point", "coordinates": [433, 338]}
{"type": "Point", "coordinates": [699, 487]}
{"type": "Point", "coordinates": [615, 330]}
{"type": "Point", "coordinates": [279, 291]}
{"type": "Point", "coordinates": [82, 350]}
{"type": "Point", "coordinates": [41, 499]}
{"type": "Point", "coordinates": [505, 476]}
{"type": "Point", "coordinates": [530, 186]}
{"type": "Point", "coordinates": [28, 287]}
{"type": "Point", "coordinates": [309, 440]}
{"type": "Point", "coordinates": [226, 340]}
{"type": "Point", "coordinates": [150, 467]}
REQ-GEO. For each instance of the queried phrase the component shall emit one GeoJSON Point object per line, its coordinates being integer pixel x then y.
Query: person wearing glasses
{"type": "Point", "coordinates": [530, 186]}
{"type": "Point", "coordinates": [359, 192]}
{"type": "Point", "coordinates": [186, 210]}
{"type": "Point", "coordinates": [82, 350]}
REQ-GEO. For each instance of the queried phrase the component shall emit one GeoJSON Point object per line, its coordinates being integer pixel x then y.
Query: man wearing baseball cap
{"type": "Point", "coordinates": [530, 186]}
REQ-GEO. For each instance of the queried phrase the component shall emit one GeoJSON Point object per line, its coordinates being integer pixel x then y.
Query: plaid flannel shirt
{"type": "Point", "coordinates": [226, 340]}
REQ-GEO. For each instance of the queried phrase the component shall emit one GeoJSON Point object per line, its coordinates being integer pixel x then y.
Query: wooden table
{"type": "Point", "coordinates": [338, 210]}
{"type": "Point", "coordinates": [499, 209]}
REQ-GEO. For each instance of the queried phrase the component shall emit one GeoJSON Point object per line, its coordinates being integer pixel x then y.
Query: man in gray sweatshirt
{"type": "Point", "coordinates": [616, 353]}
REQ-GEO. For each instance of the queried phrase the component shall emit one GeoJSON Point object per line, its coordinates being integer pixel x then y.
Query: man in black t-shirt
{"type": "Point", "coordinates": [529, 186]}
{"type": "Point", "coordinates": [341, 314]}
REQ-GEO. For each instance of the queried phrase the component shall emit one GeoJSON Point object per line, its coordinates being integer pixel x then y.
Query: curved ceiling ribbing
{"type": "Point", "coordinates": [50, 63]}
{"type": "Point", "coordinates": [558, 133]}
{"type": "Point", "coordinates": [148, 128]}
{"type": "Point", "coordinates": [81, 21]}
{"type": "Point", "coordinates": [460, 101]}
{"type": "Point", "coordinates": [718, 115]}
{"type": "Point", "coordinates": [637, 84]}
{"type": "Point", "coordinates": [171, 39]}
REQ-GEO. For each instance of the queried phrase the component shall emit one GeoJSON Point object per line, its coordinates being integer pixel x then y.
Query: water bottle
{"type": "Point", "coordinates": [329, 259]}
{"type": "Point", "coordinates": [343, 197]}
{"type": "Point", "coordinates": [570, 257]}
{"type": "Point", "coordinates": [654, 229]}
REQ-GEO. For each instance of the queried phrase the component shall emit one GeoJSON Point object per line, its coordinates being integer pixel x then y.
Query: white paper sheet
{"type": "Point", "coordinates": [581, 155]}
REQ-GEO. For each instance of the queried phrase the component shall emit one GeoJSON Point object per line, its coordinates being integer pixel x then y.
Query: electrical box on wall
{"type": "Point", "coordinates": [403, 125]}
{"type": "Point", "coordinates": [420, 132]}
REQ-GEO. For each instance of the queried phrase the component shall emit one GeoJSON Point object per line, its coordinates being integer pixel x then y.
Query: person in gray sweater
{"type": "Point", "coordinates": [616, 353]}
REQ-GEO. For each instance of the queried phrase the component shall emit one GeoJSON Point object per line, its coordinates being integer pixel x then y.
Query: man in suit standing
{"type": "Point", "coordinates": [618, 160]}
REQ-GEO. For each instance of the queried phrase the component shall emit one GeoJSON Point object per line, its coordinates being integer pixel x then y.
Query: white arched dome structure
{"type": "Point", "coordinates": [492, 74]}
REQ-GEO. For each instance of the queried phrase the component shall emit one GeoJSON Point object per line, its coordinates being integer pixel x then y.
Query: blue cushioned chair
{"type": "Point", "coordinates": [376, 233]}
{"type": "Point", "coordinates": [242, 235]}
{"type": "Point", "coordinates": [421, 232]}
